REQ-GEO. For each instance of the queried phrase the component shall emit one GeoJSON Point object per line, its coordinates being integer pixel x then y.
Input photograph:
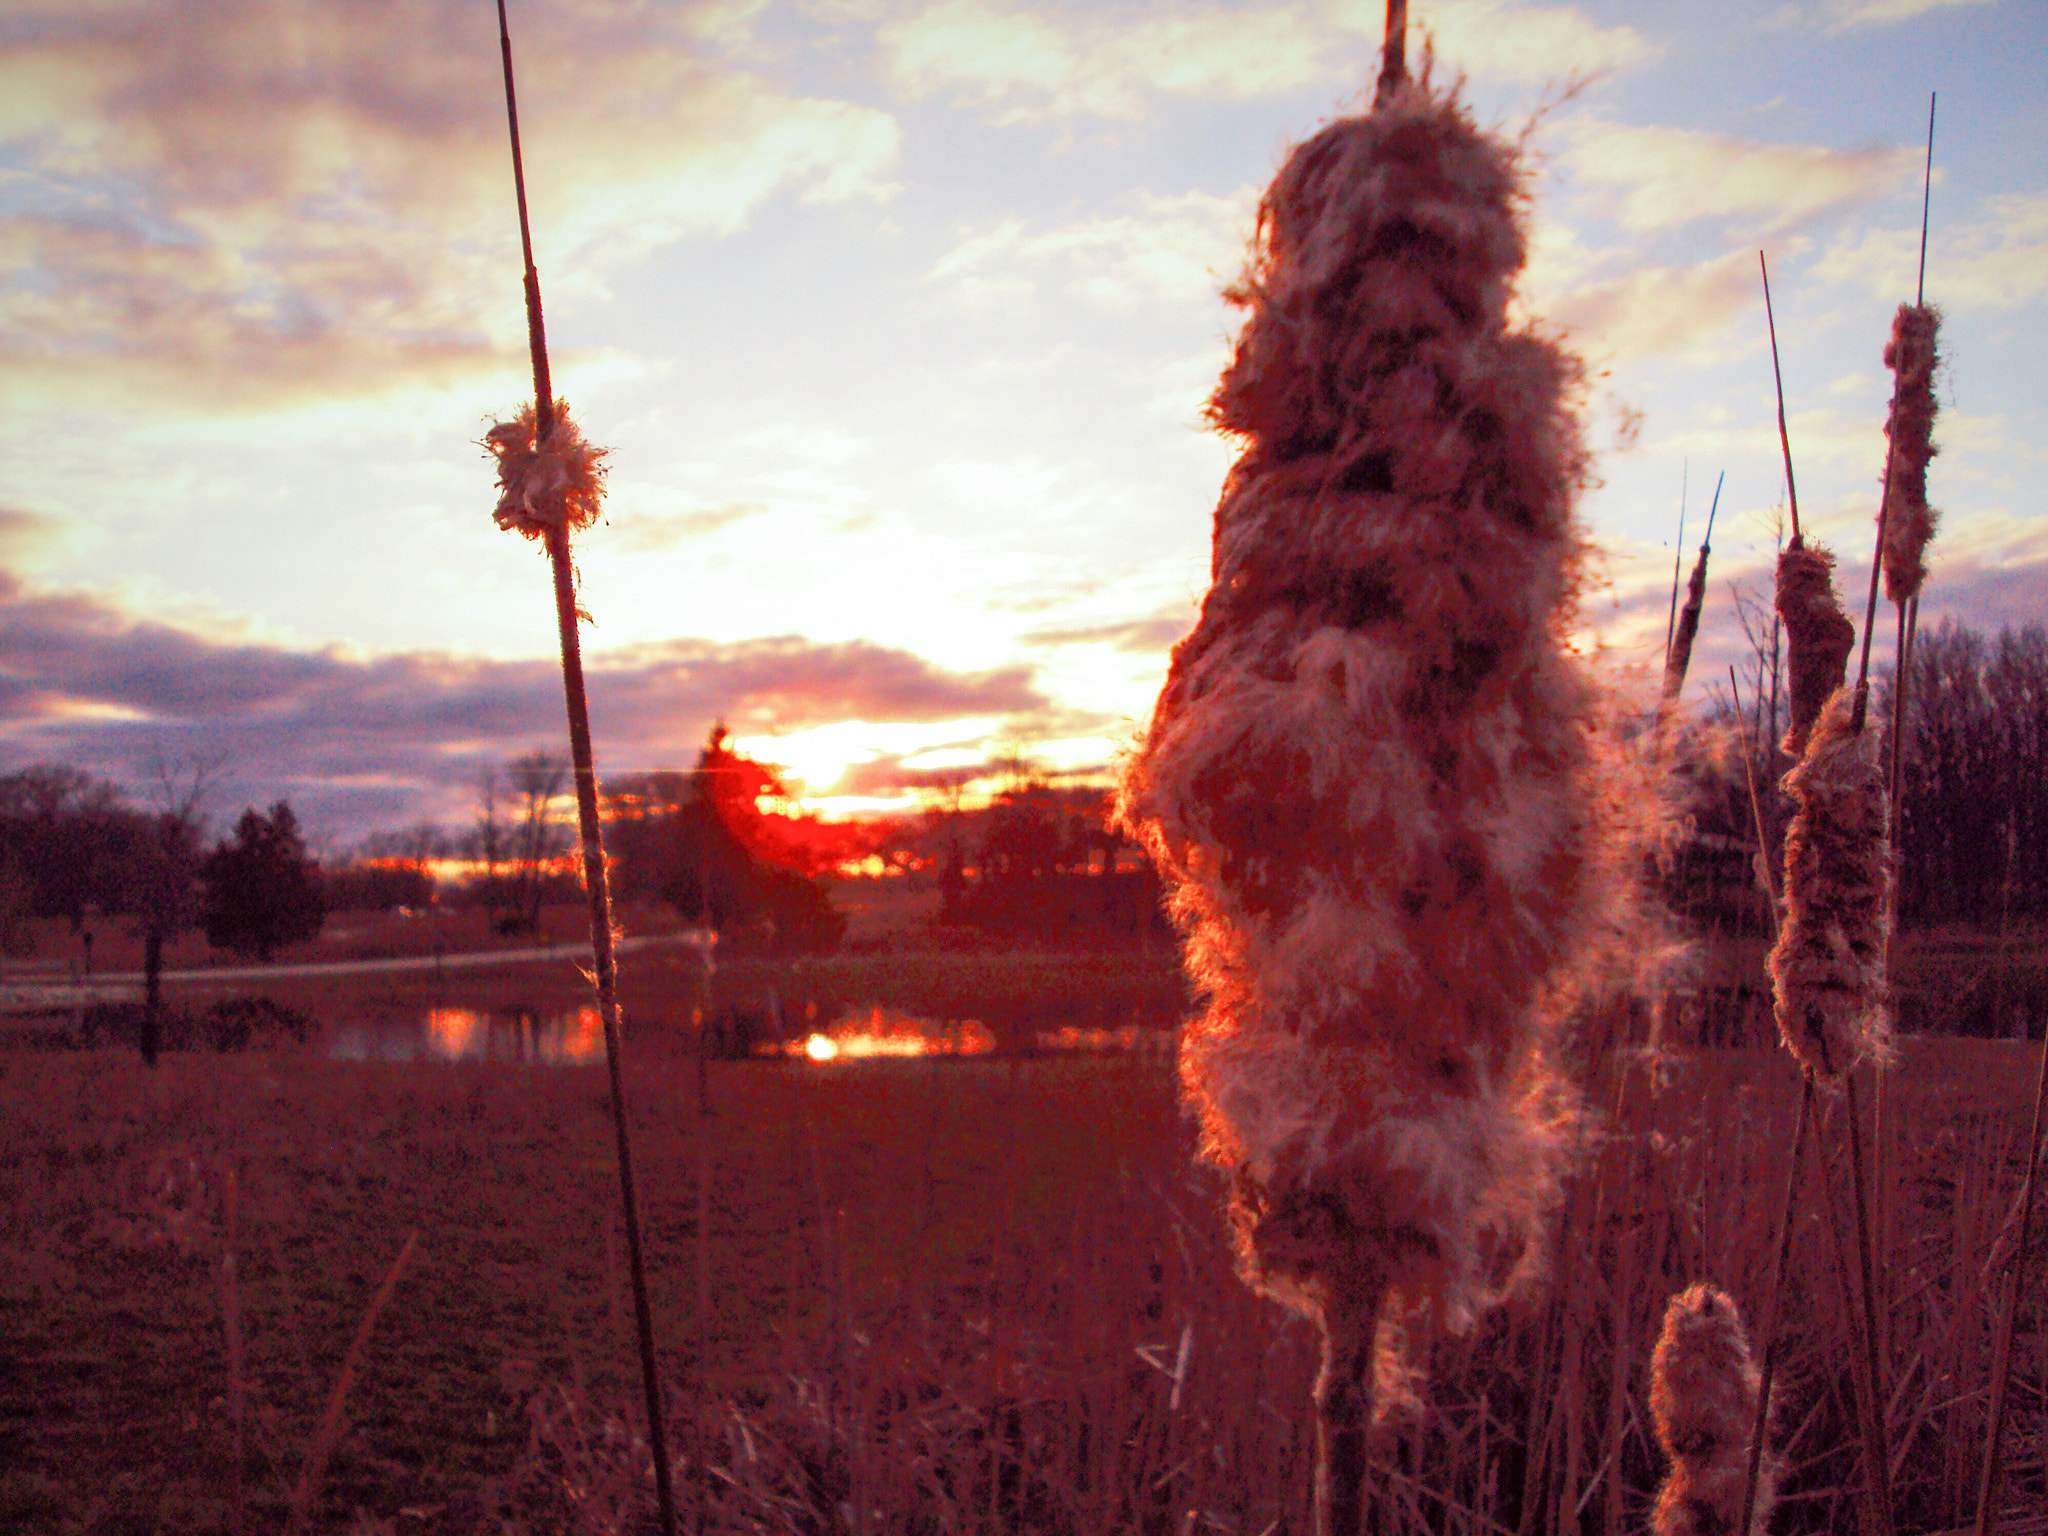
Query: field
{"type": "Point", "coordinates": [926, 1296]}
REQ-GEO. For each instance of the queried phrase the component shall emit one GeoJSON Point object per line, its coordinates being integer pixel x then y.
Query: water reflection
{"type": "Point", "coordinates": [858, 1035]}
{"type": "Point", "coordinates": [469, 1034]}
{"type": "Point", "coordinates": [862, 1034]}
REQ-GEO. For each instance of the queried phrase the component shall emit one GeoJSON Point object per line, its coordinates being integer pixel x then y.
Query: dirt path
{"type": "Point", "coordinates": [124, 986]}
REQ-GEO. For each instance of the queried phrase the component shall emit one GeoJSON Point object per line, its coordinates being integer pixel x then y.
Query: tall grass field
{"type": "Point", "coordinates": [928, 1296]}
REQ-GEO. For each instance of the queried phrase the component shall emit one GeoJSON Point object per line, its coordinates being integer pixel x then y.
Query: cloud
{"type": "Point", "coordinates": [1653, 178]}
{"type": "Point", "coordinates": [1178, 249]}
{"type": "Point", "coordinates": [1653, 310]}
{"type": "Point", "coordinates": [356, 739]}
{"type": "Point", "coordinates": [890, 775]}
{"type": "Point", "coordinates": [25, 533]}
{"type": "Point", "coordinates": [1884, 13]}
{"type": "Point", "coordinates": [1529, 44]}
{"type": "Point", "coordinates": [1995, 260]}
{"type": "Point", "coordinates": [1152, 635]}
{"type": "Point", "coordinates": [254, 198]}
{"type": "Point", "coordinates": [1028, 64]}
{"type": "Point", "coordinates": [643, 532]}
{"type": "Point", "coordinates": [1856, 15]}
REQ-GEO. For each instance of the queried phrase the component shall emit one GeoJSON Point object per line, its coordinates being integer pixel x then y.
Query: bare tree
{"type": "Point", "coordinates": [164, 891]}
{"type": "Point", "coordinates": [487, 838]}
{"type": "Point", "coordinates": [538, 838]}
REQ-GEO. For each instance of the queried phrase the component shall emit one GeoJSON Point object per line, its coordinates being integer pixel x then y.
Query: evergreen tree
{"type": "Point", "coordinates": [262, 889]}
{"type": "Point", "coordinates": [703, 843]}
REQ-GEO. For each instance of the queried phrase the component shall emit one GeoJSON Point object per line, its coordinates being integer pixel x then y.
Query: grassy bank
{"type": "Point", "coordinates": [912, 1296]}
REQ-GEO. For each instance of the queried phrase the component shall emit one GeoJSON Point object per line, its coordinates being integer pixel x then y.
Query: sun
{"type": "Point", "coordinates": [816, 760]}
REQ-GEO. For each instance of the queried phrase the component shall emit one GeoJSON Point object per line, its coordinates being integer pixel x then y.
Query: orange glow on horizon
{"type": "Point", "coordinates": [883, 1033]}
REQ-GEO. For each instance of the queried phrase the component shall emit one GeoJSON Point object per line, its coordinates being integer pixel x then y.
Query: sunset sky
{"type": "Point", "coordinates": [899, 318]}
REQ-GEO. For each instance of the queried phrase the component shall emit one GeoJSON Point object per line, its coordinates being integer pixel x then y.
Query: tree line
{"type": "Point", "coordinates": [72, 845]}
{"type": "Point", "coordinates": [1972, 822]}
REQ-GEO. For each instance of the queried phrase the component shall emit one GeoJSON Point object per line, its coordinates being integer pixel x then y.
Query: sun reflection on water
{"type": "Point", "coordinates": [883, 1032]}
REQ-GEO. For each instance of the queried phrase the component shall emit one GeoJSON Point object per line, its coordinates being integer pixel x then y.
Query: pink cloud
{"type": "Point", "coordinates": [84, 681]}
{"type": "Point", "coordinates": [255, 197]}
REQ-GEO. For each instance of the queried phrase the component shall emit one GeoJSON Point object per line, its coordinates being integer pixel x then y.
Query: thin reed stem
{"type": "Point", "coordinates": [1756, 810]}
{"type": "Point", "coordinates": [231, 1321]}
{"type": "Point", "coordinates": [1777, 378]}
{"type": "Point", "coordinates": [567, 619]}
{"type": "Point", "coordinates": [1873, 1327]}
{"type": "Point", "coordinates": [329, 1432]}
{"type": "Point", "coordinates": [1926, 198]}
{"type": "Point", "coordinates": [1677, 563]}
{"type": "Point", "coordinates": [2015, 1287]}
{"type": "Point", "coordinates": [1884, 507]}
{"type": "Point", "coordinates": [1770, 1317]}
{"type": "Point", "coordinates": [1876, 1506]}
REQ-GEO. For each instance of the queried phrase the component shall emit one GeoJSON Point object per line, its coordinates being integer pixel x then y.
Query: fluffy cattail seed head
{"type": "Point", "coordinates": [1909, 522]}
{"type": "Point", "coordinates": [1828, 966]}
{"type": "Point", "coordinates": [1704, 1382]}
{"type": "Point", "coordinates": [1368, 779]}
{"type": "Point", "coordinates": [555, 484]}
{"type": "Point", "coordinates": [1818, 635]}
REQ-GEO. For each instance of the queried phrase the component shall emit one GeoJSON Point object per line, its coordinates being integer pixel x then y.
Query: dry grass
{"type": "Point", "coordinates": [944, 1297]}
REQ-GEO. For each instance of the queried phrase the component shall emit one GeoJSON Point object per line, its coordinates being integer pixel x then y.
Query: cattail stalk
{"type": "Point", "coordinates": [1778, 378]}
{"type": "Point", "coordinates": [548, 494]}
{"type": "Point", "coordinates": [1711, 1414]}
{"type": "Point", "coordinates": [1677, 564]}
{"type": "Point", "coordinates": [1828, 967]}
{"type": "Point", "coordinates": [1368, 779]}
{"type": "Point", "coordinates": [1762, 863]}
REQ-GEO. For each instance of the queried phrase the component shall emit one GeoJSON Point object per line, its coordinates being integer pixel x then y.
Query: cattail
{"type": "Point", "coordinates": [1368, 778]}
{"type": "Point", "coordinates": [1828, 966]}
{"type": "Point", "coordinates": [1688, 627]}
{"type": "Point", "coordinates": [555, 484]}
{"type": "Point", "coordinates": [1704, 1384]}
{"type": "Point", "coordinates": [1818, 635]}
{"type": "Point", "coordinates": [1908, 521]}
{"type": "Point", "coordinates": [1685, 626]}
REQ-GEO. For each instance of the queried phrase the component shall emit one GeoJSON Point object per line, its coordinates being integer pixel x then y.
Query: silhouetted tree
{"type": "Point", "coordinates": [704, 843]}
{"type": "Point", "coordinates": [538, 839]}
{"type": "Point", "coordinates": [66, 836]}
{"type": "Point", "coordinates": [1973, 839]}
{"type": "Point", "coordinates": [262, 889]}
{"type": "Point", "coordinates": [161, 874]}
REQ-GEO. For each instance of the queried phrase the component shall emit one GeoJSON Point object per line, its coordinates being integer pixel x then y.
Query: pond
{"type": "Point", "coordinates": [576, 1038]}
{"type": "Point", "coordinates": [571, 1039]}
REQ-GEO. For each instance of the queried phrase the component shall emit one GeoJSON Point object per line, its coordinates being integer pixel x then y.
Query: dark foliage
{"type": "Point", "coordinates": [67, 844]}
{"type": "Point", "coordinates": [703, 843]}
{"type": "Point", "coordinates": [1974, 836]}
{"type": "Point", "coordinates": [262, 890]}
{"type": "Point", "coordinates": [1041, 861]}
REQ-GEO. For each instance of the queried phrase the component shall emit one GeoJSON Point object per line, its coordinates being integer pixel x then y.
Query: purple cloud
{"type": "Point", "coordinates": [356, 742]}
